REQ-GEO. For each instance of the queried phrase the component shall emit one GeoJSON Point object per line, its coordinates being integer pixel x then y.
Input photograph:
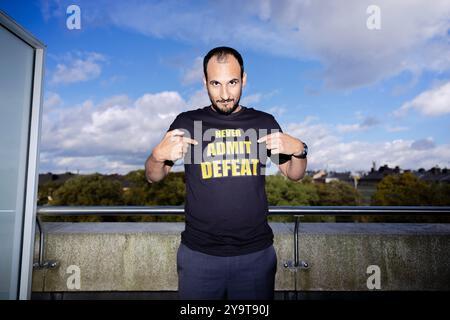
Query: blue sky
{"type": "Point", "coordinates": [355, 95]}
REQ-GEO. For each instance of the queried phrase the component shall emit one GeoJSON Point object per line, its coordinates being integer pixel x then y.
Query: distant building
{"type": "Point", "coordinates": [322, 176]}
{"type": "Point", "coordinates": [339, 176]}
{"type": "Point", "coordinates": [435, 174]}
{"type": "Point", "coordinates": [375, 176]}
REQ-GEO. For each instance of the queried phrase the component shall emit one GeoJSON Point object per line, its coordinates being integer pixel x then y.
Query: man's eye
{"type": "Point", "coordinates": [233, 82]}
{"type": "Point", "coordinates": [215, 83]}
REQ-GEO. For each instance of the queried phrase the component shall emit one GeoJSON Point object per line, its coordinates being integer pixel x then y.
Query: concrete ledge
{"type": "Point", "coordinates": [142, 256]}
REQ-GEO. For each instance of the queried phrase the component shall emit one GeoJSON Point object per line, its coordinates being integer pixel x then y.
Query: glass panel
{"type": "Point", "coordinates": [16, 71]}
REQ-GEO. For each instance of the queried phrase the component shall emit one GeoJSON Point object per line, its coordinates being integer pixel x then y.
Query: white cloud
{"type": "Point", "coordinates": [51, 9]}
{"type": "Point", "coordinates": [423, 144]}
{"type": "Point", "coordinates": [336, 34]}
{"type": "Point", "coordinates": [343, 128]}
{"type": "Point", "coordinates": [367, 123]}
{"type": "Point", "coordinates": [78, 67]}
{"type": "Point", "coordinates": [115, 101]}
{"type": "Point", "coordinates": [112, 80]}
{"type": "Point", "coordinates": [328, 151]}
{"type": "Point", "coordinates": [52, 101]}
{"type": "Point", "coordinates": [413, 35]}
{"type": "Point", "coordinates": [434, 102]}
{"type": "Point", "coordinates": [256, 98]}
{"type": "Point", "coordinates": [396, 128]}
{"type": "Point", "coordinates": [276, 111]}
{"type": "Point", "coordinates": [116, 134]}
{"type": "Point", "coordinates": [248, 100]}
{"type": "Point", "coordinates": [85, 164]}
{"type": "Point", "coordinates": [199, 99]}
{"type": "Point", "coordinates": [195, 73]}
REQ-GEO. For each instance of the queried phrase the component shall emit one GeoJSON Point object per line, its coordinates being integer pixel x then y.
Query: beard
{"type": "Point", "coordinates": [227, 111]}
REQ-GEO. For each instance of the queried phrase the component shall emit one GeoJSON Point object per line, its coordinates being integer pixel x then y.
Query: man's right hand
{"type": "Point", "coordinates": [173, 146]}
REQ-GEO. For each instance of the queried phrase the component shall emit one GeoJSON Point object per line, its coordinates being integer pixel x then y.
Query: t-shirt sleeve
{"type": "Point", "coordinates": [277, 158]}
{"type": "Point", "coordinates": [176, 124]}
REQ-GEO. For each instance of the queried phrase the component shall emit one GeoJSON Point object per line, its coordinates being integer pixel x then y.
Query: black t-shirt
{"type": "Point", "coordinates": [226, 205]}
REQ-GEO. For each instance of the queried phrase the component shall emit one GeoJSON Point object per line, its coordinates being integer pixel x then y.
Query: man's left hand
{"type": "Point", "coordinates": [279, 142]}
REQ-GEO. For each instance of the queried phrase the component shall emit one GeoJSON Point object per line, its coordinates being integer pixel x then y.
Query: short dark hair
{"type": "Point", "coordinates": [221, 52]}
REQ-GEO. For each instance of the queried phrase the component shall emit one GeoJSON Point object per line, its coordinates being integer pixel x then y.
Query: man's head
{"type": "Point", "coordinates": [224, 78]}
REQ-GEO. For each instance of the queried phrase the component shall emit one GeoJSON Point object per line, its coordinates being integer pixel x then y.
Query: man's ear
{"type": "Point", "coordinates": [244, 79]}
{"type": "Point", "coordinates": [204, 82]}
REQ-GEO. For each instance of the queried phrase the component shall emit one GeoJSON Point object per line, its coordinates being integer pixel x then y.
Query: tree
{"type": "Point", "coordinates": [402, 190]}
{"type": "Point", "coordinates": [170, 192]}
{"type": "Point", "coordinates": [284, 192]}
{"type": "Point", "coordinates": [408, 190]}
{"type": "Point", "coordinates": [137, 194]}
{"type": "Point", "coordinates": [337, 193]}
{"type": "Point", "coordinates": [46, 191]}
{"type": "Point", "coordinates": [440, 194]}
{"type": "Point", "coordinates": [89, 190]}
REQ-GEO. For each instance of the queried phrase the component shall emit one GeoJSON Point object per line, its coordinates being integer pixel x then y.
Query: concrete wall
{"type": "Point", "coordinates": [142, 256]}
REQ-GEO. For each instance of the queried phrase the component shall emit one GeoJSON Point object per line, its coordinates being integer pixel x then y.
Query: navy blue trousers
{"type": "Point", "coordinates": [206, 277]}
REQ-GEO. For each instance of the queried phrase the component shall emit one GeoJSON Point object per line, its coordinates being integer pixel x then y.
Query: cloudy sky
{"type": "Point", "coordinates": [355, 94]}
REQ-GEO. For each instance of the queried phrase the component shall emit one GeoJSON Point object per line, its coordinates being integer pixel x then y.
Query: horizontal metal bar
{"type": "Point", "coordinates": [273, 210]}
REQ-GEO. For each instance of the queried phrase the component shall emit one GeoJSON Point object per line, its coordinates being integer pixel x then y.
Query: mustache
{"type": "Point", "coordinates": [225, 101]}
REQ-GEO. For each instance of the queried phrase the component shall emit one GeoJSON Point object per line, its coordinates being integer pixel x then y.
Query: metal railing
{"type": "Point", "coordinates": [273, 210]}
{"type": "Point", "coordinates": [296, 211]}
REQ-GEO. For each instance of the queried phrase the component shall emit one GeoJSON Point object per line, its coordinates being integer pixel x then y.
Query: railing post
{"type": "Point", "coordinates": [41, 264]}
{"type": "Point", "coordinates": [296, 264]}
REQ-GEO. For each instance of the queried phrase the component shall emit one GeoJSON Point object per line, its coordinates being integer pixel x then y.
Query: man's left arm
{"type": "Point", "coordinates": [283, 143]}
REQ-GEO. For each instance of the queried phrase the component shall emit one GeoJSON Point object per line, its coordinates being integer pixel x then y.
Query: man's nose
{"type": "Point", "coordinates": [224, 95]}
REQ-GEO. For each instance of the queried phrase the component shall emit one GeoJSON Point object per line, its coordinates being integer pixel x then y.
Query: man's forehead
{"type": "Point", "coordinates": [224, 65]}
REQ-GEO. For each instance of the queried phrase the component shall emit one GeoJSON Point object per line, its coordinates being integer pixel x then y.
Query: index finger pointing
{"type": "Point", "coordinates": [189, 140]}
{"type": "Point", "coordinates": [262, 139]}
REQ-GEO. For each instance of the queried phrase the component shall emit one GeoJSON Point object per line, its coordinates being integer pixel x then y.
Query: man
{"type": "Point", "coordinates": [226, 250]}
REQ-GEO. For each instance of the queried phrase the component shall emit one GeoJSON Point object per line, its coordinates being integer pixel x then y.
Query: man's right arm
{"type": "Point", "coordinates": [156, 170]}
{"type": "Point", "coordinates": [171, 148]}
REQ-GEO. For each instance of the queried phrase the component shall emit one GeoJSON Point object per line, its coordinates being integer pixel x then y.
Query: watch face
{"type": "Point", "coordinates": [305, 150]}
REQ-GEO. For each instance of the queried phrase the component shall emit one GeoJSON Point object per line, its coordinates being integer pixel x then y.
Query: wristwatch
{"type": "Point", "coordinates": [304, 152]}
